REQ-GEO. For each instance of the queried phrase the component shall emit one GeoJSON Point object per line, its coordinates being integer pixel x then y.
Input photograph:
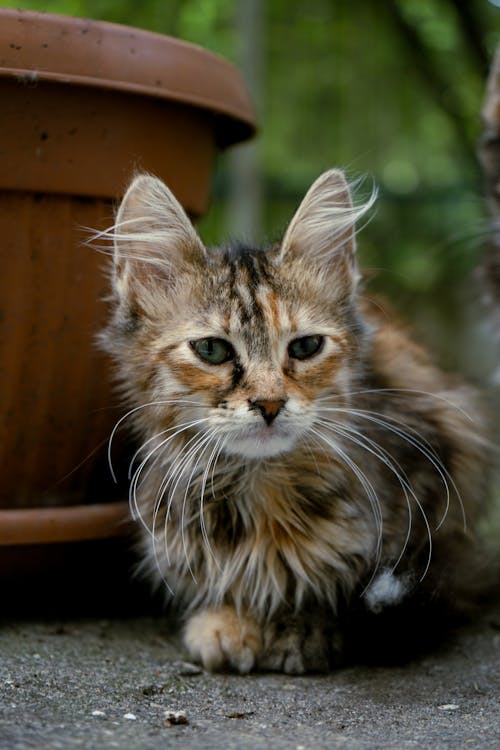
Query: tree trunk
{"type": "Point", "coordinates": [489, 156]}
{"type": "Point", "coordinates": [245, 202]}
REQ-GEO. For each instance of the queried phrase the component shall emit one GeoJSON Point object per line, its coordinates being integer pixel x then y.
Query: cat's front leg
{"type": "Point", "coordinates": [298, 644]}
{"type": "Point", "coordinates": [221, 639]}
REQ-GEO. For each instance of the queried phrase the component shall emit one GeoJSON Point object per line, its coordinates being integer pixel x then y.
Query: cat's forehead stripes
{"type": "Point", "coordinates": [278, 312]}
{"type": "Point", "coordinates": [257, 310]}
{"type": "Point", "coordinates": [248, 275]}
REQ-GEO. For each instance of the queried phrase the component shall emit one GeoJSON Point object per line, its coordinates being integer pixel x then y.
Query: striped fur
{"type": "Point", "coordinates": [362, 483]}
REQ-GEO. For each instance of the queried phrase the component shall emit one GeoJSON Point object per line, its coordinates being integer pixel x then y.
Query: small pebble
{"type": "Point", "coordinates": [130, 717]}
{"type": "Point", "coordinates": [448, 707]}
{"type": "Point", "coordinates": [98, 713]}
{"type": "Point", "coordinates": [174, 718]}
{"type": "Point", "coordinates": [238, 714]}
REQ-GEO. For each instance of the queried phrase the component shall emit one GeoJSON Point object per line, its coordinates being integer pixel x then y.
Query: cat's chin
{"type": "Point", "coordinates": [259, 447]}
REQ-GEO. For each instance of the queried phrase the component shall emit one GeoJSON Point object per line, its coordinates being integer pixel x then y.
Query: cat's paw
{"type": "Point", "coordinates": [220, 639]}
{"type": "Point", "coordinates": [296, 646]}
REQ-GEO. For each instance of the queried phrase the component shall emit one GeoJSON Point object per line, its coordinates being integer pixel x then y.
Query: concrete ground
{"type": "Point", "coordinates": [102, 684]}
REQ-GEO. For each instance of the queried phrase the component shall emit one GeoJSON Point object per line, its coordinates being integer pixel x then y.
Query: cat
{"type": "Point", "coordinates": [304, 471]}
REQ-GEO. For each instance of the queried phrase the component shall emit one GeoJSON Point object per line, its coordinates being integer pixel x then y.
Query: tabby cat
{"type": "Point", "coordinates": [304, 469]}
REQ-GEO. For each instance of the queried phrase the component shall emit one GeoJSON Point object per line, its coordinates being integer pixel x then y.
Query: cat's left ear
{"type": "Point", "coordinates": [322, 232]}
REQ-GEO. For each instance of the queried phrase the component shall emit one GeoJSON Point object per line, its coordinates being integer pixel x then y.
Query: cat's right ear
{"type": "Point", "coordinates": [154, 241]}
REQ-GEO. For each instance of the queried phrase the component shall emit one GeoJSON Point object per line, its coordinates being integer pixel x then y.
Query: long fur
{"type": "Point", "coordinates": [363, 488]}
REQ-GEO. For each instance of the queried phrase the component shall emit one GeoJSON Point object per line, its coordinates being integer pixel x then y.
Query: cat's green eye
{"type": "Point", "coordinates": [305, 347]}
{"type": "Point", "coordinates": [212, 350]}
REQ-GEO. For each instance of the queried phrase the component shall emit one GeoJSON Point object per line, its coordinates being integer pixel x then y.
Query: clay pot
{"type": "Point", "coordinates": [84, 105]}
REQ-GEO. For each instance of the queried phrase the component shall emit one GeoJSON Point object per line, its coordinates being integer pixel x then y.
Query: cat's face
{"type": "Point", "coordinates": [244, 344]}
{"type": "Point", "coordinates": [253, 352]}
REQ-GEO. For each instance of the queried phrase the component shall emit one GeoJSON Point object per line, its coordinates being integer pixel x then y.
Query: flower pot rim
{"type": "Point", "coordinates": [74, 523]}
{"type": "Point", "coordinates": [37, 46]}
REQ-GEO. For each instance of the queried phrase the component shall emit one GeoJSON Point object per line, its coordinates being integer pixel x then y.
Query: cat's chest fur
{"type": "Point", "coordinates": [261, 535]}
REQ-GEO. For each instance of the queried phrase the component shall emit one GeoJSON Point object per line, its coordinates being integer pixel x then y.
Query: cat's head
{"type": "Point", "coordinates": [242, 343]}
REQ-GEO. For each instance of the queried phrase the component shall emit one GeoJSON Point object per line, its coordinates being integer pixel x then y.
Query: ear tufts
{"type": "Point", "coordinates": [151, 217]}
{"type": "Point", "coordinates": [153, 238]}
{"type": "Point", "coordinates": [324, 225]}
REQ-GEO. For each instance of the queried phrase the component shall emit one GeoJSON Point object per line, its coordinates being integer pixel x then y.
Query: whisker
{"type": "Point", "coordinates": [212, 488]}
{"type": "Point", "coordinates": [174, 477]}
{"type": "Point", "coordinates": [140, 449]}
{"type": "Point", "coordinates": [384, 456]}
{"type": "Point", "coordinates": [420, 444]}
{"type": "Point", "coordinates": [205, 444]}
{"type": "Point", "coordinates": [133, 502]}
{"type": "Point", "coordinates": [158, 562]}
{"type": "Point", "coordinates": [169, 476]}
{"type": "Point", "coordinates": [370, 493]}
{"type": "Point", "coordinates": [430, 454]}
{"type": "Point", "coordinates": [211, 462]}
{"type": "Point", "coordinates": [400, 391]}
{"type": "Point", "coordinates": [163, 402]}
{"type": "Point", "coordinates": [202, 442]}
{"type": "Point", "coordinates": [387, 419]}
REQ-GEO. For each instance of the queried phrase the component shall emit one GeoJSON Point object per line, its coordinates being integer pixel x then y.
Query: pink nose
{"type": "Point", "coordinates": [268, 409]}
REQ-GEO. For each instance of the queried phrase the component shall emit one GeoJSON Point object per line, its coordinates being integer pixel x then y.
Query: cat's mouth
{"type": "Point", "coordinates": [260, 441]}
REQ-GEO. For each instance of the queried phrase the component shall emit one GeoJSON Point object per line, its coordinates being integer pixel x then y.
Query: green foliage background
{"type": "Point", "coordinates": [389, 88]}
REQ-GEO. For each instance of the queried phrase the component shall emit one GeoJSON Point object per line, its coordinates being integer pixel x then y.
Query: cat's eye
{"type": "Point", "coordinates": [305, 347]}
{"type": "Point", "coordinates": [212, 350]}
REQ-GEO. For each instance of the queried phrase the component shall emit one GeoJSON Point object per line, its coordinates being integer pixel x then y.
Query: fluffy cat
{"type": "Point", "coordinates": [304, 469]}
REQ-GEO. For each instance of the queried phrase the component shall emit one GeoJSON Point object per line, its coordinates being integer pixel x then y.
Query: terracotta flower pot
{"type": "Point", "coordinates": [84, 104]}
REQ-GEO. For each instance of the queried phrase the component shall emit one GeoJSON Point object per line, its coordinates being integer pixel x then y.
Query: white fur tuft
{"type": "Point", "coordinates": [386, 591]}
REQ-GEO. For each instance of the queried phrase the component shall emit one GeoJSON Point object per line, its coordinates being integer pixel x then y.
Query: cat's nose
{"type": "Point", "coordinates": [268, 409]}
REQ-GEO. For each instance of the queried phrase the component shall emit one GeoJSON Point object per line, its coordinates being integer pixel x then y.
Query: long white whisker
{"type": "Point", "coordinates": [387, 419]}
{"type": "Point", "coordinates": [419, 444]}
{"type": "Point", "coordinates": [133, 502]}
{"type": "Point", "coordinates": [428, 452]}
{"type": "Point", "coordinates": [202, 447]}
{"type": "Point", "coordinates": [183, 425]}
{"type": "Point", "coordinates": [173, 477]}
{"type": "Point", "coordinates": [202, 441]}
{"type": "Point", "coordinates": [379, 452]}
{"type": "Point", "coordinates": [158, 563]}
{"type": "Point", "coordinates": [168, 476]}
{"type": "Point", "coordinates": [212, 480]}
{"type": "Point", "coordinates": [211, 462]}
{"type": "Point", "coordinates": [176, 469]}
{"type": "Point", "coordinates": [369, 491]}
{"type": "Point", "coordinates": [163, 402]}
{"type": "Point", "coordinates": [401, 391]}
